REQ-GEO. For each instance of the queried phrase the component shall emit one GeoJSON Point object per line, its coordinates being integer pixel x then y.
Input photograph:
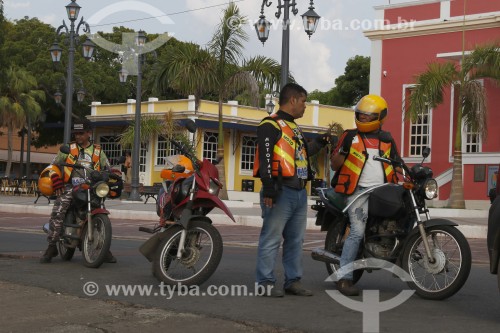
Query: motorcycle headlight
{"type": "Point", "coordinates": [102, 189]}
{"type": "Point", "coordinates": [214, 187]}
{"type": "Point", "coordinates": [430, 189]}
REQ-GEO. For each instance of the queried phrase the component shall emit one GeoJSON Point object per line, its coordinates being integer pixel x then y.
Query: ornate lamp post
{"type": "Point", "coordinates": [310, 19]}
{"type": "Point", "coordinates": [123, 73]}
{"type": "Point", "coordinates": [73, 9]}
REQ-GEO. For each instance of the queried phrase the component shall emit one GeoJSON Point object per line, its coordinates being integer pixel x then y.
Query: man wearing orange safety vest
{"type": "Point", "coordinates": [282, 163]}
{"type": "Point", "coordinates": [85, 153]}
{"type": "Point", "coordinates": [355, 170]}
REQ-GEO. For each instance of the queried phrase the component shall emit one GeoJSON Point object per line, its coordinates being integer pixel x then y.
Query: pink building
{"type": "Point", "coordinates": [418, 33]}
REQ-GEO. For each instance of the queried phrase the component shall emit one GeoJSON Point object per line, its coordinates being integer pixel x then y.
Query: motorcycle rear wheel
{"type": "Point", "coordinates": [66, 253]}
{"type": "Point", "coordinates": [334, 243]}
{"type": "Point", "coordinates": [442, 279]}
{"type": "Point", "coordinates": [203, 253]}
{"type": "Point", "coordinates": [95, 251]}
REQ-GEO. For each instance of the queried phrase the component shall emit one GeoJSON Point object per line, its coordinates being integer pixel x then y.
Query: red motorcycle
{"type": "Point", "coordinates": [189, 250]}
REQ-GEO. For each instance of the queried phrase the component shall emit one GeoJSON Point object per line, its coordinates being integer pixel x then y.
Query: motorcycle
{"type": "Point", "coordinates": [86, 225]}
{"type": "Point", "coordinates": [434, 253]}
{"type": "Point", "coordinates": [189, 250]}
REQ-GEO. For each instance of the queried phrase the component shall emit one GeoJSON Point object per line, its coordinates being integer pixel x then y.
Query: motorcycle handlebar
{"type": "Point", "coordinates": [184, 152]}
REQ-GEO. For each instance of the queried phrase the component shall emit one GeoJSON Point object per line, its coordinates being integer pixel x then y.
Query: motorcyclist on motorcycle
{"type": "Point", "coordinates": [355, 170]}
{"type": "Point", "coordinates": [84, 152]}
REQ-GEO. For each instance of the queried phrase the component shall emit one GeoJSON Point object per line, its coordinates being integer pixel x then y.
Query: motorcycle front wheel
{"type": "Point", "coordinates": [444, 277]}
{"type": "Point", "coordinates": [334, 242]}
{"type": "Point", "coordinates": [203, 251]}
{"type": "Point", "coordinates": [96, 250]}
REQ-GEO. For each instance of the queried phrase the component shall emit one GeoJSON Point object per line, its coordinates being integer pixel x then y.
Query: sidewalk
{"type": "Point", "coordinates": [473, 223]}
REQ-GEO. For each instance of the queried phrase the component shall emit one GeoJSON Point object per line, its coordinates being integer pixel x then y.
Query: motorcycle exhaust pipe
{"type": "Point", "coordinates": [323, 255]}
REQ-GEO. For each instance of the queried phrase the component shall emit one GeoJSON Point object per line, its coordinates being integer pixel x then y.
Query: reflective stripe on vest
{"type": "Point", "coordinates": [354, 163]}
{"type": "Point", "coordinates": [73, 157]}
{"type": "Point", "coordinates": [284, 159]}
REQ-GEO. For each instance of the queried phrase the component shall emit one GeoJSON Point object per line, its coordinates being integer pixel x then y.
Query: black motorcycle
{"type": "Point", "coordinates": [434, 252]}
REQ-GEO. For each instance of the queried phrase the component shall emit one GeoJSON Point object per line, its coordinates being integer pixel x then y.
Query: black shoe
{"type": "Point", "coordinates": [270, 290]}
{"type": "Point", "coordinates": [50, 253]}
{"type": "Point", "coordinates": [296, 289]}
{"type": "Point", "coordinates": [347, 288]}
{"type": "Point", "coordinates": [110, 258]}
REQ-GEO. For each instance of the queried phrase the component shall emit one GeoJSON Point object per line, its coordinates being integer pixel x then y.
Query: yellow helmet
{"type": "Point", "coordinates": [45, 182]}
{"type": "Point", "coordinates": [373, 105]}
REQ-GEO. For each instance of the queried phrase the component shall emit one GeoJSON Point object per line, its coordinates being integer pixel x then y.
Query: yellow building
{"type": "Point", "coordinates": [240, 124]}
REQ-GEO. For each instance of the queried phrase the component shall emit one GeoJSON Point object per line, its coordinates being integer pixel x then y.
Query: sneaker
{"type": "Point", "coordinates": [110, 258]}
{"type": "Point", "coordinates": [50, 253]}
{"type": "Point", "coordinates": [347, 288]}
{"type": "Point", "coordinates": [296, 289]}
{"type": "Point", "coordinates": [270, 290]}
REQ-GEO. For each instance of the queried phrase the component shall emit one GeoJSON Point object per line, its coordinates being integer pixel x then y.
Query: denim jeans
{"type": "Point", "coordinates": [287, 219]}
{"type": "Point", "coordinates": [358, 215]}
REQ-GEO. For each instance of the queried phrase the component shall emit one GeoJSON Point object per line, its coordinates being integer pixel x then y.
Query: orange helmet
{"type": "Point", "coordinates": [178, 160]}
{"type": "Point", "coordinates": [45, 182]}
{"type": "Point", "coordinates": [372, 105]}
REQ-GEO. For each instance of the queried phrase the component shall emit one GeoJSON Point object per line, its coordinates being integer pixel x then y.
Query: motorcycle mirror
{"type": "Point", "coordinates": [190, 126]}
{"type": "Point", "coordinates": [64, 149]}
{"type": "Point", "coordinates": [334, 140]}
{"type": "Point", "coordinates": [426, 152]}
{"type": "Point", "coordinates": [121, 160]}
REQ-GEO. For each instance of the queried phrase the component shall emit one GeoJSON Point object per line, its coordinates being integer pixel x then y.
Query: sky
{"type": "Point", "coordinates": [314, 63]}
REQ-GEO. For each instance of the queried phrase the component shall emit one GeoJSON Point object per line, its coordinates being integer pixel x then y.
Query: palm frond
{"type": "Point", "coordinates": [474, 109]}
{"type": "Point", "coordinates": [430, 86]}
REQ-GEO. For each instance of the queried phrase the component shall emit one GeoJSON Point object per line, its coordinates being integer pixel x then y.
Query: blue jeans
{"type": "Point", "coordinates": [287, 219]}
{"type": "Point", "coordinates": [358, 215]}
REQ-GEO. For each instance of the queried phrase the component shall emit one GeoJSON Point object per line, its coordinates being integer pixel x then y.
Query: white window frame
{"type": "Point", "coordinates": [253, 156]}
{"type": "Point", "coordinates": [169, 150]}
{"type": "Point", "coordinates": [420, 124]}
{"type": "Point", "coordinates": [120, 152]}
{"type": "Point", "coordinates": [405, 153]}
{"type": "Point", "coordinates": [466, 143]}
{"type": "Point", "coordinates": [212, 152]}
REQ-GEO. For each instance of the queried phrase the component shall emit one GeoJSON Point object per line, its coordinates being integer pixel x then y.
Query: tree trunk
{"type": "Point", "coordinates": [9, 151]}
{"type": "Point", "coordinates": [220, 155]}
{"type": "Point", "coordinates": [457, 189]}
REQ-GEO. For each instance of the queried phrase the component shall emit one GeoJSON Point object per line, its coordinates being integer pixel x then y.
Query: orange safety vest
{"type": "Point", "coordinates": [354, 163]}
{"type": "Point", "coordinates": [284, 159]}
{"type": "Point", "coordinates": [73, 157]}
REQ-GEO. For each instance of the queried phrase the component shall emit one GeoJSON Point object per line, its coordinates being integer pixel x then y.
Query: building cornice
{"type": "Point", "coordinates": [408, 4]}
{"type": "Point", "coordinates": [434, 27]}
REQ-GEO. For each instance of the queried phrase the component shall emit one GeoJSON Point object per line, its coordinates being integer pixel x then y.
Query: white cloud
{"type": "Point", "coordinates": [15, 4]}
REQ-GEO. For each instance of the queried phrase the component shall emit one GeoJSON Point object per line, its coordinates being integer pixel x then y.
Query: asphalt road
{"type": "Point", "coordinates": [475, 307]}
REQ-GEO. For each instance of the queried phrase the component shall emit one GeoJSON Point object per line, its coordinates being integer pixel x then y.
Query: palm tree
{"type": "Point", "coordinates": [18, 104]}
{"type": "Point", "coordinates": [226, 46]}
{"type": "Point", "coordinates": [187, 69]}
{"type": "Point", "coordinates": [483, 62]}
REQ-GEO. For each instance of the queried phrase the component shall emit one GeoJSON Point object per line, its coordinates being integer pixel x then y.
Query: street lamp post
{"type": "Point", "coordinates": [72, 10]}
{"type": "Point", "coordinates": [134, 187]}
{"type": "Point", "coordinates": [310, 19]}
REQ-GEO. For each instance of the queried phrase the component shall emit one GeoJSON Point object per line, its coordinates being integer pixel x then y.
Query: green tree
{"type": "Point", "coordinates": [219, 72]}
{"type": "Point", "coordinates": [483, 62]}
{"type": "Point", "coordinates": [187, 69]}
{"type": "Point", "coordinates": [349, 87]}
{"type": "Point", "coordinates": [226, 46]}
{"type": "Point", "coordinates": [354, 83]}
{"type": "Point", "coordinates": [18, 102]}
